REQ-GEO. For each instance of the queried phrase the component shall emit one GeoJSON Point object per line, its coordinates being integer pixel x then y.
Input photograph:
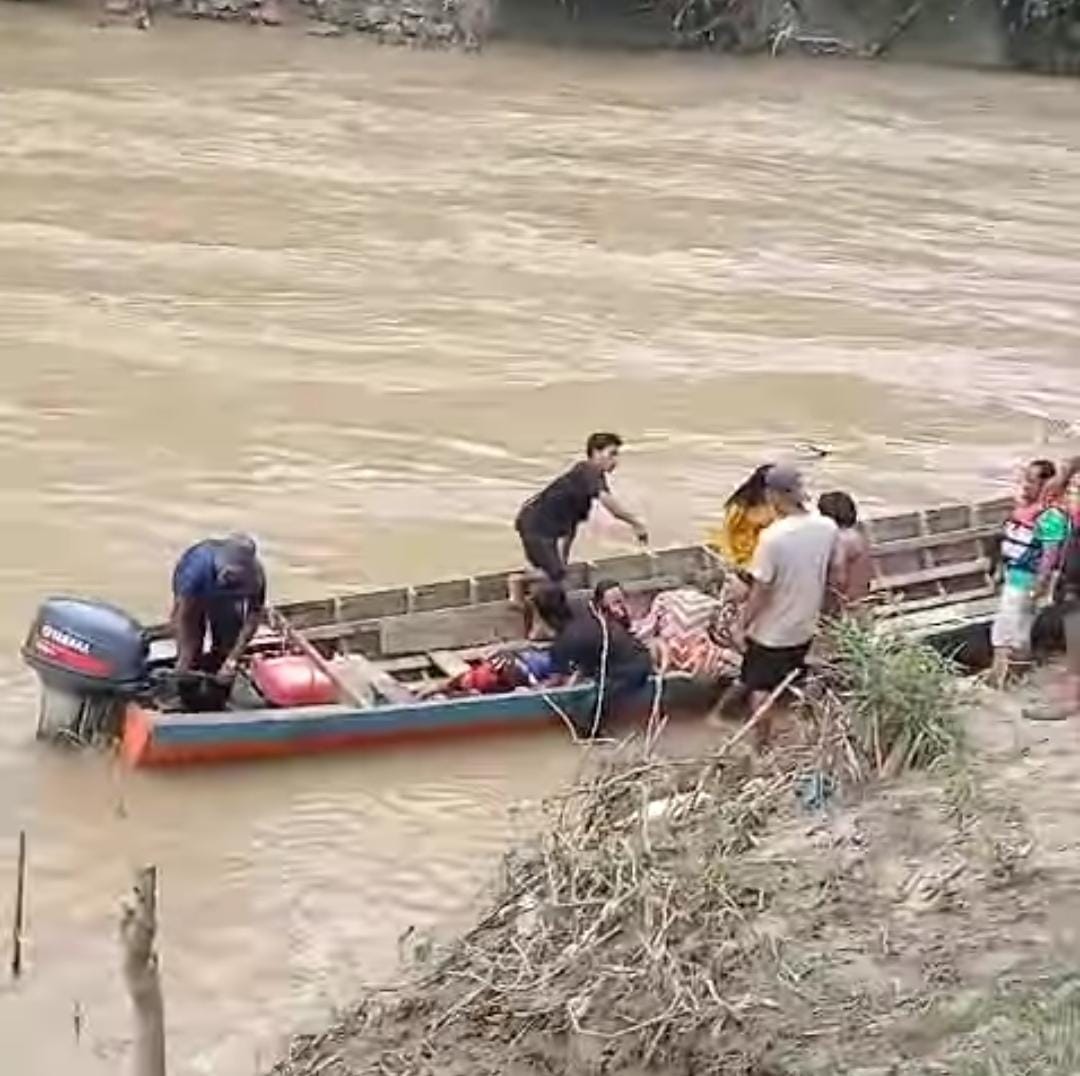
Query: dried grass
{"type": "Point", "coordinates": [628, 934]}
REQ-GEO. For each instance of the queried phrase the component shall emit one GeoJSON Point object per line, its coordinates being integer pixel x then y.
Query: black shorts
{"type": "Point", "coordinates": [764, 668]}
{"type": "Point", "coordinates": [543, 552]}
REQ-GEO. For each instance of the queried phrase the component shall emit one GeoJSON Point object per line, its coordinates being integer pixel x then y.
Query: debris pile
{"type": "Point", "coordinates": [724, 914]}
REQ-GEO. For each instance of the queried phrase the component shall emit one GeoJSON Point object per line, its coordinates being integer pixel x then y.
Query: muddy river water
{"type": "Point", "coordinates": [360, 302]}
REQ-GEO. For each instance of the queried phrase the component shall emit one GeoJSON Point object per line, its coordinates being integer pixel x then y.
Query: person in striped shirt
{"type": "Point", "coordinates": [687, 630]}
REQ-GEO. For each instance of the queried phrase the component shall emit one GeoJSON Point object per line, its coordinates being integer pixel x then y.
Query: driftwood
{"type": "Point", "coordinates": [897, 30]}
{"type": "Point", "coordinates": [20, 908]}
{"type": "Point", "coordinates": [138, 932]}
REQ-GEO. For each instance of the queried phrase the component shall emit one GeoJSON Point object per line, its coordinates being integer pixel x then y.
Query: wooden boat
{"type": "Point", "coordinates": [933, 579]}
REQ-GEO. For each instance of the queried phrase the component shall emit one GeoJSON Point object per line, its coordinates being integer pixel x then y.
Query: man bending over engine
{"type": "Point", "coordinates": [218, 584]}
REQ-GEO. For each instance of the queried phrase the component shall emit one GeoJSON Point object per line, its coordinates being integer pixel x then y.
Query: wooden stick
{"type": "Point", "coordinates": [138, 933]}
{"type": "Point", "coordinates": [277, 621]}
{"type": "Point", "coordinates": [20, 909]}
{"type": "Point", "coordinates": [760, 712]}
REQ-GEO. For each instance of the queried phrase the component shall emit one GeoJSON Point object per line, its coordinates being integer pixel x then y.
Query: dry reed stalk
{"type": "Point", "coordinates": [18, 922]}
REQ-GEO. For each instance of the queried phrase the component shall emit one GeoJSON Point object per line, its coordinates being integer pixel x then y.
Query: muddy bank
{"type": "Point", "coordinates": [968, 32]}
{"type": "Point", "coordinates": [789, 927]}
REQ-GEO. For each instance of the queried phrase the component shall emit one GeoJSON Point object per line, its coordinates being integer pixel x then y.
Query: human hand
{"type": "Point", "coordinates": [738, 635]}
{"type": "Point", "coordinates": [641, 534]}
{"type": "Point", "coordinates": [227, 673]}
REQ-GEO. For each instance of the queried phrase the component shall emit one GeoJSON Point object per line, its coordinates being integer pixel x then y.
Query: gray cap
{"type": "Point", "coordinates": [239, 548]}
{"type": "Point", "coordinates": [237, 555]}
{"type": "Point", "coordinates": [784, 479]}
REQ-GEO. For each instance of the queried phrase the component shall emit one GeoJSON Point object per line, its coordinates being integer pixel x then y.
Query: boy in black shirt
{"type": "Point", "coordinates": [548, 521]}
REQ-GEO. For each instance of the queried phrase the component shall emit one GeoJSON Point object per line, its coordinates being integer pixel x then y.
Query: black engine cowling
{"type": "Point", "coordinates": [90, 658]}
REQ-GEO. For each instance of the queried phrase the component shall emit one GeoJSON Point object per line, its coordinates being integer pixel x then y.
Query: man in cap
{"type": "Point", "coordinates": [218, 584]}
{"type": "Point", "coordinates": [795, 560]}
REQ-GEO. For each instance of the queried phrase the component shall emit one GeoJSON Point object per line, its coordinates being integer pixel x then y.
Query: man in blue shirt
{"type": "Point", "coordinates": [217, 584]}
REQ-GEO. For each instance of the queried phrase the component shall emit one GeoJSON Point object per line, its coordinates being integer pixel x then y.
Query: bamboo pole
{"type": "Point", "coordinates": [138, 932]}
{"type": "Point", "coordinates": [761, 712]}
{"type": "Point", "coordinates": [280, 624]}
{"type": "Point", "coordinates": [20, 909]}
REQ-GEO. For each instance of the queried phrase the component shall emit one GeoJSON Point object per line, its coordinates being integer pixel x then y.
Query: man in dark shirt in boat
{"type": "Point", "coordinates": [591, 642]}
{"type": "Point", "coordinates": [548, 522]}
{"type": "Point", "coordinates": [218, 584]}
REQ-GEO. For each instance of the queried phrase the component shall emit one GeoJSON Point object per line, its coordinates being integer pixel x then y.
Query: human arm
{"type": "Point", "coordinates": [254, 613]}
{"type": "Point", "coordinates": [247, 633]}
{"type": "Point", "coordinates": [754, 607]}
{"type": "Point", "coordinates": [648, 627]}
{"type": "Point", "coordinates": [1057, 485]}
{"type": "Point", "coordinates": [1053, 530]}
{"type": "Point", "coordinates": [838, 579]}
{"type": "Point", "coordinates": [762, 577]}
{"type": "Point", "coordinates": [187, 622]}
{"type": "Point", "coordinates": [624, 515]}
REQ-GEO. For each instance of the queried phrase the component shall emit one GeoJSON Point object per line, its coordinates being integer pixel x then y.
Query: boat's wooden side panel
{"type": "Point", "coordinates": [936, 557]}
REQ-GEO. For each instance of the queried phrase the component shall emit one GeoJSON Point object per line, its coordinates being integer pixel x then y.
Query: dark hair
{"type": "Point", "coordinates": [601, 589]}
{"type": "Point", "coordinates": [839, 506]}
{"type": "Point", "coordinates": [549, 601]}
{"type": "Point", "coordinates": [752, 492]}
{"type": "Point", "coordinates": [1044, 468]}
{"type": "Point", "coordinates": [709, 579]}
{"type": "Point", "coordinates": [597, 442]}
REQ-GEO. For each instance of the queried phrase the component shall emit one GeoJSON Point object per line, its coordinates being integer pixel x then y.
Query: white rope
{"type": "Point", "coordinates": [602, 679]}
{"type": "Point", "coordinates": [535, 684]}
{"type": "Point", "coordinates": [657, 722]}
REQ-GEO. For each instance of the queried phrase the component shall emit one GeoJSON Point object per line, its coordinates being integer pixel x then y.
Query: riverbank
{"type": "Point", "coordinates": [973, 33]}
{"type": "Point", "coordinates": [791, 926]}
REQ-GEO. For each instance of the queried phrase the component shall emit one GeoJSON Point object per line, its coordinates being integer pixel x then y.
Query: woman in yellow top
{"type": "Point", "coordinates": [746, 515]}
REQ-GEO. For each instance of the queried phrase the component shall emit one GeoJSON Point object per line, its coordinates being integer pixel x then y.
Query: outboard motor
{"type": "Point", "coordinates": [91, 659]}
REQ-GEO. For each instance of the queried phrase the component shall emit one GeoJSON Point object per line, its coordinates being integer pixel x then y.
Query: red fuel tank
{"type": "Point", "coordinates": [293, 680]}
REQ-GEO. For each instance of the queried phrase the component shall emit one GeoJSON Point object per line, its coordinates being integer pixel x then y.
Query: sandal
{"type": "Point", "coordinates": [1046, 713]}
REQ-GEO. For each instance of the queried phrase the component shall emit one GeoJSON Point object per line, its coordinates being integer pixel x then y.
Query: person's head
{"type": "Point", "coordinates": [551, 605]}
{"type": "Point", "coordinates": [839, 507]}
{"type": "Point", "coordinates": [784, 489]}
{"type": "Point", "coordinates": [752, 492]}
{"type": "Point", "coordinates": [1034, 478]}
{"type": "Point", "coordinates": [708, 579]}
{"type": "Point", "coordinates": [610, 600]}
{"type": "Point", "coordinates": [236, 561]}
{"type": "Point", "coordinates": [602, 451]}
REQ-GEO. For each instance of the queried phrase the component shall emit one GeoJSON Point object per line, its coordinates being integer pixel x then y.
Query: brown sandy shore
{"type": "Point", "coordinates": [929, 924]}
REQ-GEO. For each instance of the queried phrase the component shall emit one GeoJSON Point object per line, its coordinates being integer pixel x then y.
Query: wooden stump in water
{"type": "Point", "coordinates": [138, 932]}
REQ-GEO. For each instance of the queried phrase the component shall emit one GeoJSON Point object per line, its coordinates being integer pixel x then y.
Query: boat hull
{"type": "Point", "coordinates": [153, 738]}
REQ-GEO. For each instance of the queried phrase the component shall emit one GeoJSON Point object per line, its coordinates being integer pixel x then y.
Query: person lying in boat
{"type": "Point", "coordinates": [746, 514]}
{"type": "Point", "coordinates": [548, 521]}
{"type": "Point", "coordinates": [688, 629]}
{"type": "Point", "coordinates": [219, 587]}
{"type": "Point", "coordinates": [507, 670]}
{"type": "Point", "coordinates": [593, 642]}
{"type": "Point", "coordinates": [853, 571]}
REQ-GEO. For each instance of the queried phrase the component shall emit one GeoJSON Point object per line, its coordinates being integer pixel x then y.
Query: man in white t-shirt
{"type": "Point", "coordinates": [795, 560]}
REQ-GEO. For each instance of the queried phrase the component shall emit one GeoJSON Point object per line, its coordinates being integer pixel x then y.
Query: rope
{"type": "Point", "coordinates": [535, 684]}
{"type": "Point", "coordinates": [601, 682]}
{"type": "Point", "coordinates": [657, 722]}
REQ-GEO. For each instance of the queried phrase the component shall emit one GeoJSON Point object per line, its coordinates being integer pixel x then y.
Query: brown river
{"type": "Point", "coordinates": [361, 301]}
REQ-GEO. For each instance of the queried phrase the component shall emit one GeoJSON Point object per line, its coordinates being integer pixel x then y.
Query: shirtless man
{"type": "Point", "coordinates": [853, 565]}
